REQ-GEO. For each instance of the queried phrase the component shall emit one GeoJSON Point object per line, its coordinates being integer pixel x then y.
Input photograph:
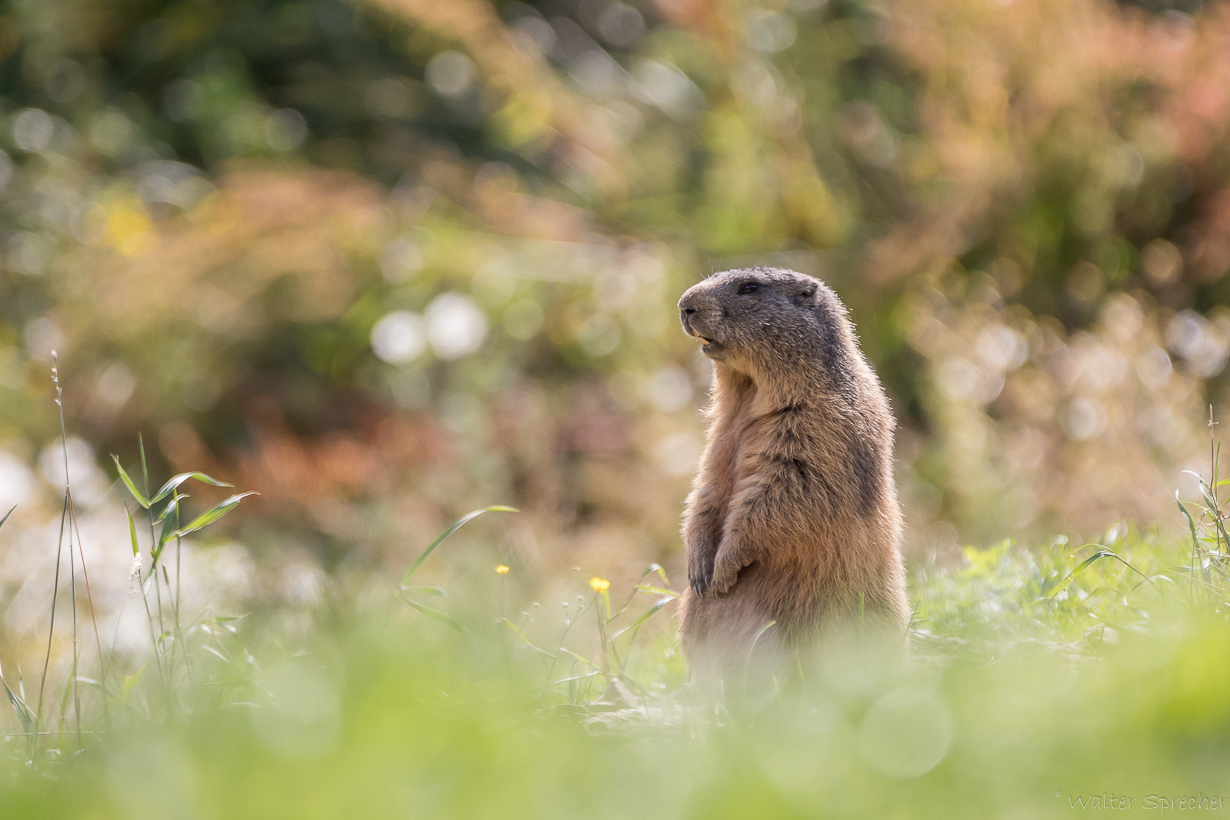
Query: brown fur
{"type": "Point", "coordinates": [793, 516]}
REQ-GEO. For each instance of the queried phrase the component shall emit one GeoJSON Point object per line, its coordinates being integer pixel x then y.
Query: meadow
{"type": "Point", "coordinates": [1039, 680]}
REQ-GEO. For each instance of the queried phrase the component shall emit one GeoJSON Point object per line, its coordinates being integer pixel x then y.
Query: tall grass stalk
{"type": "Point", "coordinates": [68, 526]}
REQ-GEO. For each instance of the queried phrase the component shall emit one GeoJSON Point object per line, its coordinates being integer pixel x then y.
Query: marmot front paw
{"type": "Point", "coordinates": [723, 579]}
{"type": "Point", "coordinates": [700, 565]}
{"type": "Point", "coordinates": [701, 578]}
{"type": "Point", "coordinates": [726, 572]}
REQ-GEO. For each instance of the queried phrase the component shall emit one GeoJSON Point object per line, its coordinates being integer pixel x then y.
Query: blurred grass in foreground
{"type": "Point", "coordinates": [1038, 680]}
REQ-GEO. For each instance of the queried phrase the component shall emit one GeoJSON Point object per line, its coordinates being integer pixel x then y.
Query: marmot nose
{"type": "Point", "coordinates": [684, 313]}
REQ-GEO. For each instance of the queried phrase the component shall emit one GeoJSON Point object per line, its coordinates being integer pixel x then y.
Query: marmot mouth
{"type": "Point", "coordinates": [705, 341]}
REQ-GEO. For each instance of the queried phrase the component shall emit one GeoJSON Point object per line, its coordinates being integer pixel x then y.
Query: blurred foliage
{"type": "Point", "coordinates": [1037, 683]}
{"type": "Point", "coordinates": [390, 260]}
{"type": "Point", "coordinates": [366, 730]}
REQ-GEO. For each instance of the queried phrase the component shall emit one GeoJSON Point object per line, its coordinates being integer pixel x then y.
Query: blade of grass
{"type": "Point", "coordinates": [747, 664]}
{"type": "Point", "coordinates": [427, 591]}
{"type": "Point", "coordinates": [585, 661]}
{"type": "Point", "coordinates": [571, 679]}
{"type": "Point", "coordinates": [180, 479]}
{"type": "Point", "coordinates": [458, 524]}
{"type": "Point", "coordinates": [635, 626]}
{"type": "Point", "coordinates": [568, 623]}
{"type": "Point", "coordinates": [1101, 553]}
{"type": "Point", "coordinates": [132, 532]}
{"type": "Point", "coordinates": [132, 488]}
{"type": "Point", "coordinates": [213, 514]}
{"type": "Point", "coordinates": [24, 713]}
{"type": "Point", "coordinates": [72, 575]}
{"type": "Point", "coordinates": [1192, 526]}
{"type": "Point", "coordinates": [171, 507]}
{"type": "Point", "coordinates": [436, 615]}
{"type": "Point", "coordinates": [658, 590]}
{"type": "Point", "coordinates": [1190, 522]}
{"type": "Point", "coordinates": [144, 463]}
{"type": "Point", "coordinates": [55, 594]}
{"type": "Point", "coordinates": [637, 587]}
{"type": "Point", "coordinates": [179, 542]}
{"type": "Point", "coordinates": [528, 643]}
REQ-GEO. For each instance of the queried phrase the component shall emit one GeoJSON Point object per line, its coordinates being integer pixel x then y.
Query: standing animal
{"type": "Point", "coordinates": [793, 517]}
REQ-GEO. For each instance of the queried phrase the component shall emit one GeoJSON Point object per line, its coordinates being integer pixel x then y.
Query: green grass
{"type": "Point", "coordinates": [407, 719]}
{"type": "Point", "coordinates": [1039, 679]}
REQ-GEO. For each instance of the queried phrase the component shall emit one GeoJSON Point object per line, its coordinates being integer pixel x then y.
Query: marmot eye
{"type": "Point", "coordinates": [748, 287]}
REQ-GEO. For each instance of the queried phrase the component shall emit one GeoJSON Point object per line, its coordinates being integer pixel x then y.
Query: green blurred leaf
{"type": "Point", "coordinates": [583, 676]}
{"type": "Point", "coordinates": [1190, 523]}
{"type": "Point", "coordinates": [132, 531]}
{"type": "Point", "coordinates": [436, 615]}
{"type": "Point", "coordinates": [583, 660]}
{"type": "Point", "coordinates": [652, 568]}
{"type": "Point", "coordinates": [7, 514]}
{"type": "Point", "coordinates": [1097, 556]}
{"type": "Point", "coordinates": [427, 590]}
{"type": "Point", "coordinates": [216, 652]}
{"type": "Point", "coordinates": [635, 626]}
{"type": "Point", "coordinates": [747, 664]}
{"type": "Point", "coordinates": [132, 488]}
{"type": "Point", "coordinates": [659, 590]}
{"type": "Point", "coordinates": [213, 514]}
{"type": "Point", "coordinates": [528, 643]}
{"type": "Point", "coordinates": [170, 507]}
{"type": "Point", "coordinates": [163, 538]}
{"type": "Point", "coordinates": [168, 528]}
{"type": "Point", "coordinates": [24, 713]}
{"type": "Point", "coordinates": [144, 463]}
{"type": "Point", "coordinates": [180, 479]}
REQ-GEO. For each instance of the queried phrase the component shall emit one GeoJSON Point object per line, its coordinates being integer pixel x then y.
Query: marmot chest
{"type": "Point", "coordinates": [825, 465]}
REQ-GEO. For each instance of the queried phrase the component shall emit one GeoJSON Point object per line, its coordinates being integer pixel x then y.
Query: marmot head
{"type": "Point", "coordinates": [752, 318]}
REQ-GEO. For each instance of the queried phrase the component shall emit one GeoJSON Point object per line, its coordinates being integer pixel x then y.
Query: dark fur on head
{"type": "Point", "coordinates": [793, 517]}
{"type": "Point", "coordinates": [764, 321]}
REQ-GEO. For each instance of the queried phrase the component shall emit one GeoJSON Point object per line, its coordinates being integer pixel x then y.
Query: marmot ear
{"type": "Point", "coordinates": [806, 296]}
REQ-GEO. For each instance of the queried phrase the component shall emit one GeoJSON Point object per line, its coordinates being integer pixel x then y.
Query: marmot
{"type": "Point", "coordinates": [793, 517]}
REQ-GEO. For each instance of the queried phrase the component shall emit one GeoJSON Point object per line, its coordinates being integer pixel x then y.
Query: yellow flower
{"type": "Point", "coordinates": [500, 568]}
{"type": "Point", "coordinates": [599, 584]}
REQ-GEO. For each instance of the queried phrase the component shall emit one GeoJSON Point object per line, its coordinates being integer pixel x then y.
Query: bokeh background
{"type": "Point", "coordinates": [390, 260]}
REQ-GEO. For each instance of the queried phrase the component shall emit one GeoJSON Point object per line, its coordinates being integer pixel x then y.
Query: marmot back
{"type": "Point", "coordinates": [793, 516]}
